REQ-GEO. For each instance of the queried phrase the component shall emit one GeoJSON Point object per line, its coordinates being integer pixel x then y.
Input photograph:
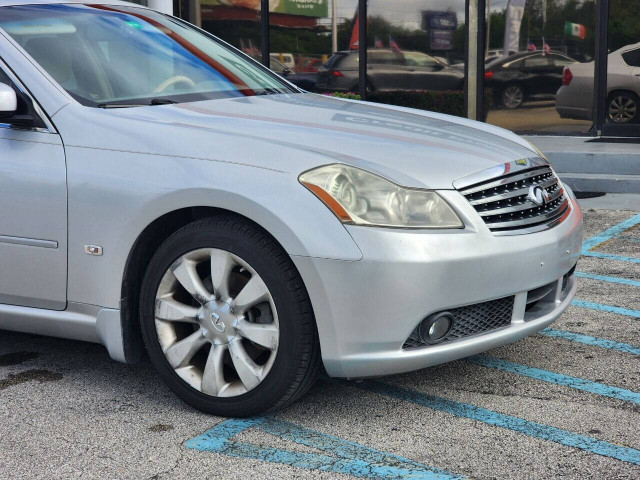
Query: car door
{"type": "Point", "coordinates": [33, 214]}
{"type": "Point", "coordinates": [387, 70]}
{"type": "Point", "coordinates": [536, 75]}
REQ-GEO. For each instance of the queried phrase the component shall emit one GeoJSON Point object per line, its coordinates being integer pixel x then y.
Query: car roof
{"type": "Point", "coordinates": [8, 3]}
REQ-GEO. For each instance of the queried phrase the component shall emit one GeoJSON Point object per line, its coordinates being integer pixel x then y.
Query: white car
{"type": "Point", "coordinates": [161, 191]}
{"type": "Point", "coordinates": [575, 98]}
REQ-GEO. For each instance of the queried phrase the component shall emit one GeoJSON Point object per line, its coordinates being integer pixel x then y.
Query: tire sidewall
{"type": "Point", "coordinates": [275, 384]}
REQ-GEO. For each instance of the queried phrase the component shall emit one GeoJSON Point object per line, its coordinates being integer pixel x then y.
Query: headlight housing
{"type": "Point", "coordinates": [358, 197]}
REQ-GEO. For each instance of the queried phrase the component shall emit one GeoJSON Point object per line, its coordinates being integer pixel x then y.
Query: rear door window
{"type": "Point", "coordinates": [632, 57]}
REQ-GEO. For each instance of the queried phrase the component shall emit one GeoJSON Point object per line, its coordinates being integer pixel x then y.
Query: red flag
{"type": "Point", "coordinates": [354, 43]}
{"type": "Point", "coordinates": [378, 43]}
{"type": "Point", "coordinates": [394, 46]}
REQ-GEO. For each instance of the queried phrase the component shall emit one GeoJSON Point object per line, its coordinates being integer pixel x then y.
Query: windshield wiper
{"type": "Point", "coordinates": [154, 101]}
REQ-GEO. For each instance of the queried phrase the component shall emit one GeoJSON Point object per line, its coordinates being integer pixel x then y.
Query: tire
{"type": "Point", "coordinates": [512, 96]}
{"type": "Point", "coordinates": [212, 335]}
{"type": "Point", "coordinates": [623, 107]}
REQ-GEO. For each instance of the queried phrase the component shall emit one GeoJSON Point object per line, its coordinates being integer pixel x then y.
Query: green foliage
{"type": "Point", "coordinates": [347, 95]}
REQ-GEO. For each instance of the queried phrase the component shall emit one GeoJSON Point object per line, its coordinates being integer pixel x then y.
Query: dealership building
{"type": "Point", "coordinates": [564, 73]}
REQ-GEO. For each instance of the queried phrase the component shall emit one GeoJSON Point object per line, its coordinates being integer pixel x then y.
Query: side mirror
{"type": "Point", "coordinates": [8, 101]}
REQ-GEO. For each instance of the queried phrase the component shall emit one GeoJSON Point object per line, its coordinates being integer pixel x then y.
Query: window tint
{"type": "Point", "coordinates": [632, 57]}
{"type": "Point", "coordinates": [4, 78]}
{"type": "Point", "coordinates": [415, 59]}
{"type": "Point", "coordinates": [384, 58]}
{"type": "Point", "coordinates": [349, 60]}
{"type": "Point", "coordinates": [561, 60]}
{"type": "Point", "coordinates": [536, 61]}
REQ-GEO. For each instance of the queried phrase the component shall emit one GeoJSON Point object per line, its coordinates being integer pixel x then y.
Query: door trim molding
{"type": "Point", "coordinates": [29, 242]}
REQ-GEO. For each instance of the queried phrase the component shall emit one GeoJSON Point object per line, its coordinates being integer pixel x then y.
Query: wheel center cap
{"type": "Point", "coordinates": [217, 322]}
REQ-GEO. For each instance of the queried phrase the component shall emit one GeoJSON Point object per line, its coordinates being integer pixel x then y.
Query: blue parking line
{"type": "Point", "coordinates": [592, 341]}
{"type": "Point", "coordinates": [610, 233]}
{"type": "Point", "coordinates": [606, 308]}
{"type": "Point", "coordinates": [347, 457]}
{"type": "Point", "coordinates": [609, 256]}
{"type": "Point", "coordinates": [556, 378]}
{"type": "Point", "coordinates": [532, 429]}
{"type": "Point", "coordinates": [605, 278]}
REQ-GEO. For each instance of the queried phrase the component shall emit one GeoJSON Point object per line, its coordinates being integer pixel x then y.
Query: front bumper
{"type": "Point", "coordinates": [367, 309]}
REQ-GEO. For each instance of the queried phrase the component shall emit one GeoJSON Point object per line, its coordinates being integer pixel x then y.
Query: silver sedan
{"type": "Point", "coordinates": [162, 192]}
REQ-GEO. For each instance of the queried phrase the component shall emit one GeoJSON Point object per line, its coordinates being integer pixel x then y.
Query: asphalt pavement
{"type": "Point", "coordinates": [562, 403]}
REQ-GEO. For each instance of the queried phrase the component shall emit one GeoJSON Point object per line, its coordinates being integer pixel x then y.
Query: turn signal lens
{"type": "Point", "coordinates": [488, 74]}
{"type": "Point", "coordinates": [358, 197]}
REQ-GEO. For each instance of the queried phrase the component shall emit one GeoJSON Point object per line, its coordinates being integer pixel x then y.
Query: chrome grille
{"type": "Point", "coordinates": [472, 320]}
{"type": "Point", "coordinates": [505, 205]}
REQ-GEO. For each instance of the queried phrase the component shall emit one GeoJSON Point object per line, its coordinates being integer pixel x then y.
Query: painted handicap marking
{"type": "Point", "coordinates": [593, 341]}
{"type": "Point", "coordinates": [342, 456]}
{"type": "Point", "coordinates": [614, 232]}
{"type": "Point", "coordinates": [606, 308]}
{"type": "Point", "coordinates": [608, 256]}
{"type": "Point", "coordinates": [605, 278]}
{"type": "Point", "coordinates": [556, 378]}
{"type": "Point", "coordinates": [609, 233]}
{"type": "Point", "coordinates": [517, 424]}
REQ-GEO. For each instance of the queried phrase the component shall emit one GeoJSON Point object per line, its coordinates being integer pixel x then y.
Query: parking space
{"type": "Point", "coordinates": [564, 402]}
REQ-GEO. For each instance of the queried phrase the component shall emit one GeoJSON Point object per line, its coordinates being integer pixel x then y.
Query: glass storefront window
{"type": "Point", "coordinates": [302, 38]}
{"type": "Point", "coordinates": [416, 54]}
{"type": "Point", "coordinates": [235, 21]}
{"type": "Point", "coordinates": [539, 74]}
{"type": "Point", "coordinates": [622, 103]}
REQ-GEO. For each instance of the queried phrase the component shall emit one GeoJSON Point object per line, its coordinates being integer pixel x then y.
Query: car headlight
{"type": "Point", "coordinates": [358, 197]}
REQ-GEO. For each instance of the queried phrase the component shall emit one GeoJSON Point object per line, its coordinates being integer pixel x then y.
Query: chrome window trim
{"type": "Point", "coordinates": [50, 128]}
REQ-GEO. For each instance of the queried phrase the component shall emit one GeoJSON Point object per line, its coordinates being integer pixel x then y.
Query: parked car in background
{"type": "Point", "coordinates": [525, 76]}
{"type": "Point", "coordinates": [306, 81]}
{"type": "Point", "coordinates": [287, 59]}
{"type": "Point", "coordinates": [575, 97]}
{"type": "Point", "coordinates": [389, 70]}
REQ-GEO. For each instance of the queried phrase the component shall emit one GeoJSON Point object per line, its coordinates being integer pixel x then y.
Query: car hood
{"type": "Point", "coordinates": [294, 133]}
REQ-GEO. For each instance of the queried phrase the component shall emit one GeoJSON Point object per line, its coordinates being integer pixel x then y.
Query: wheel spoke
{"type": "Point", "coordinates": [213, 378]}
{"type": "Point", "coordinates": [221, 265]}
{"type": "Point", "coordinates": [250, 374]}
{"type": "Point", "coordinates": [180, 353]}
{"type": "Point", "coordinates": [254, 292]}
{"type": "Point", "coordinates": [186, 273]}
{"type": "Point", "coordinates": [264, 335]}
{"type": "Point", "coordinates": [170, 310]}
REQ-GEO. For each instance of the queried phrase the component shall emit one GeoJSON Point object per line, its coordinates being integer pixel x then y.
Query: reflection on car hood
{"type": "Point", "coordinates": [296, 132]}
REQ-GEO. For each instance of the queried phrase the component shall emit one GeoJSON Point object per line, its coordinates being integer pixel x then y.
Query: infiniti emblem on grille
{"type": "Point", "coordinates": [217, 323]}
{"type": "Point", "coordinates": [538, 195]}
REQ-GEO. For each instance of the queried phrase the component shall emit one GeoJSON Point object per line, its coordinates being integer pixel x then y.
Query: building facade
{"type": "Point", "coordinates": [538, 67]}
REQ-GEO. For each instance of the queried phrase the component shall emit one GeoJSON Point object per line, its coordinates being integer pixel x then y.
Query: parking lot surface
{"type": "Point", "coordinates": [562, 403]}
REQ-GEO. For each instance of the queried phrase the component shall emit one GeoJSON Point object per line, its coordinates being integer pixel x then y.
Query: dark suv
{"type": "Point", "coordinates": [389, 70]}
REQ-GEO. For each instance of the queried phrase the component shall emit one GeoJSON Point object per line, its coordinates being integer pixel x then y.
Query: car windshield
{"type": "Point", "coordinates": [119, 56]}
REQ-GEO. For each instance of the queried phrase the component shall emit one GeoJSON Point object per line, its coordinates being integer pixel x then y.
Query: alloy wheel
{"type": "Point", "coordinates": [512, 97]}
{"type": "Point", "coordinates": [216, 322]}
{"type": "Point", "coordinates": [622, 109]}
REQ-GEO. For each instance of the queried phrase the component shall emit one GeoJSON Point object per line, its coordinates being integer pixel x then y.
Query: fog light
{"type": "Point", "coordinates": [436, 327]}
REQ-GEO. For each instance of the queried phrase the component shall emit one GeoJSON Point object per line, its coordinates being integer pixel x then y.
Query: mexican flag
{"type": "Point", "coordinates": [575, 29]}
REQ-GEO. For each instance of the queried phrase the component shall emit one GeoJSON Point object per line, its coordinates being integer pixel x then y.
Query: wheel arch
{"type": "Point", "coordinates": [140, 254]}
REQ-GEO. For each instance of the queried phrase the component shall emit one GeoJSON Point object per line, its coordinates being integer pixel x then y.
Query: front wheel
{"type": "Point", "coordinates": [226, 319]}
{"type": "Point", "coordinates": [512, 96]}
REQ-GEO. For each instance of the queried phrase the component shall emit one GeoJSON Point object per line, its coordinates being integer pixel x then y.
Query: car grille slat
{"type": "Point", "coordinates": [506, 208]}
